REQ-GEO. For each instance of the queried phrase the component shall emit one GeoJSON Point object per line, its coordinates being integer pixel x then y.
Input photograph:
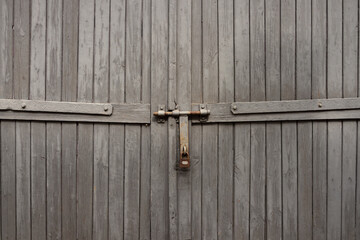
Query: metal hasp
{"type": "Point", "coordinates": [203, 113]}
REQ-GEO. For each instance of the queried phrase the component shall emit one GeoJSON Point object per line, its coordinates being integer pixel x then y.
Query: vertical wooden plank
{"type": "Point", "coordinates": [196, 96]}
{"type": "Point", "coordinates": [210, 132]}
{"type": "Point", "coordinates": [21, 49]}
{"type": "Point", "coordinates": [38, 133]}
{"type": "Point", "coordinates": [22, 129]}
{"type": "Point", "coordinates": [303, 91]}
{"type": "Point", "coordinates": [159, 146]}
{"type": "Point", "coordinates": [273, 130]}
{"type": "Point", "coordinates": [257, 88]}
{"type": "Point", "coordinates": [116, 138]}
{"type": "Point", "coordinates": [53, 184]}
{"type": "Point", "coordinates": [69, 130]}
{"type": "Point", "coordinates": [145, 219]}
{"type": "Point", "coordinates": [334, 63]}
{"type": "Point", "coordinates": [319, 128]}
{"type": "Point", "coordinates": [242, 131]}
{"type": "Point", "coordinates": [172, 126]}
{"type": "Point", "coordinates": [7, 129]}
{"type": "Point", "coordinates": [70, 35]}
{"type": "Point", "coordinates": [183, 89]}
{"type": "Point", "coordinates": [132, 132]}
{"type": "Point", "coordinates": [226, 131]}
{"type": "Point", "coordinates": [289, 174]}
{"type": "Point", "coordinates": [53, 130]}
{"type": "Point", "coordinates": [85, 131]}
{"type": "Point", "coordinates": [101, 131]}
{"type": "Point", "coordinates": [6, 47]}
{"type": "Point", "coordinates": [8, 181]}
{"type": "Point", "coordinates": [289, 154]}
{"type": "Point", "coordinates": [350, 86]}
{"type": "Point", "coordinates": [85, 181]}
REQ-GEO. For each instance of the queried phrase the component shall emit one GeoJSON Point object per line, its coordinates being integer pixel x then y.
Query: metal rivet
{"type": "Point", "coordinates": [234, 107]}
{"type": "Point", "coordinates": [23, 105]}
{"type": "Point", "coordinates": [106, 108]}
{"type": "Point", "coordinates": [320, 105]}
{"type": "Point", "coordinates": [161, 108]}
{"type": "Point", "coordinates": [202, 107]}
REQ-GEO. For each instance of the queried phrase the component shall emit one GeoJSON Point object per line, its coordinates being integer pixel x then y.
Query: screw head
{"type": "Point", "coordinates": [234, 107]}
{"type": "Point", "coordinates": [23, 105]}
{"type": "Point", "coordinates": [202, 107]}
{"type": "Point", "coordinates": [320, 105]}
{"type": "Point", "coordinates": [106, 108]}
{"type": "Point", "coordinates": [161, 108]}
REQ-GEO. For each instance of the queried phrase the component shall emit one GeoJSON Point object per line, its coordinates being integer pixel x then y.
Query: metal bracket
{"type": "Point", "coordinates": [183, 116]}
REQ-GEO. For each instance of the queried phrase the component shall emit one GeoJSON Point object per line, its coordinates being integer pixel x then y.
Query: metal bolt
{"type": "Point", "coordinates": [106, 108]}
{"type": "Point", "coordinates": [23, 105]}
{"type": "Point", "coordinates": [234, 107]}
{"type": "Point", "coordinates": [320, 105]}
{"type": "Point", "coordinates": [161, 108]}
{"type": "Point", "coordinates": [202, 107]}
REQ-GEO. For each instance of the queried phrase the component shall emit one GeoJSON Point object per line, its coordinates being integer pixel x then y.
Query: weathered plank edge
{"type": "Point", "coordinates": [122, 113]}
{"type": "Point", "coordinates": [220, 112]}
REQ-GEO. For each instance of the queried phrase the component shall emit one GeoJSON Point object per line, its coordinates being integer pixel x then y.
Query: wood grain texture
{"type": "Point", "coordinates": [226, 132]}
{"type": "Point", "coordinates": [273, 130]}
{"type": "Point", "coordinates": [210, 137]}
{"type": "Point", "coordinates": [8, 180]}
{"type": "Point", "coordinates": [196, 131]}
{"type": "Point", "coordinates": [116, 135]}
{"type": "Point", "coordinates": [85, 140]}
{"type": "Point", "coordinates": [334, 89]}
{"type": "Point", "coordinates": [242, 131]}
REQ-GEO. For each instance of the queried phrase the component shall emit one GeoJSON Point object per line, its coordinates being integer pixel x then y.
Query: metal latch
{"type": "Point", "coordinates": [203, 113]}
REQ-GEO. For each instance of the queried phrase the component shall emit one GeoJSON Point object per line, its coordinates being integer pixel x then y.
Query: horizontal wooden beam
{"type": "Point", "coordinates": [310, 105]}
{"type": "Point", "coordinates": [75, 112]}
{"type": "Point", "coordinates": [331, 109]}
{"type": "Point", "coordinates": [55, 107]}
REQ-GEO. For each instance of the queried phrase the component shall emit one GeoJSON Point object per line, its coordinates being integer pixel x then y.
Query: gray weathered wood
{"type": "Point", "coordinates": [183, 96]}
{"type": "Point", "coordinates": [85, 131]}
{"type": "Point", "coordinates": [196, 131]}
{"type": "Point", "coordinates": [242, 131]}
{"type": "Point", "coordinates": [133, 132]}
{"type": "Point", "coordinates": [55, 106]}
{"type": "Point", "coordinates": [21, 50]}
{"type": "Point", "coordinates": [210, 132]}
{"type": "Point", "coordinates": [6, 48]}
{"type": "Point", "coordinates": [8, 180]}
{"type": "Point", "coordinates": [303, 91]}
{"type": "Point", "coordinates": [53, 130]}
{"type": "Point", "coordinates": [38, 130]}
{"type": "Point", "coordinates": [116, 137]}
{"type": "Point", "coordinates": [172, 127]}
{"type": "Point", "coordinates": [159, 160]}
{"type": "Point", "coordinates": [289, 151]}
{"type": "Point", "coordinates": [334, 90]}
{"type": "Point", "coordinates": [349, 149]}
{"type": "Point", "coordinates": [69, 130]}
{"type": "Point", "coordinates": [257, 131]}
{"type": "Point", "coordinates": [273, 130]}
{"type": "Point", "coordinates": [101, 131]}
{"type": "Point", "coordinates": [297, 105]}
{"type": "Point", "coordinates": [226, 137]}
{"type": "Point", "coordinates": [122, 113]}
{"type": "Point", "coordinates": [145, 211]}
{"type": "Point", "coordinates": [319, 128]}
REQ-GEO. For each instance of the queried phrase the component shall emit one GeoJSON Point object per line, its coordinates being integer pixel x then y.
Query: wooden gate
{"type": "Point", "coordinates": [270, 89]}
